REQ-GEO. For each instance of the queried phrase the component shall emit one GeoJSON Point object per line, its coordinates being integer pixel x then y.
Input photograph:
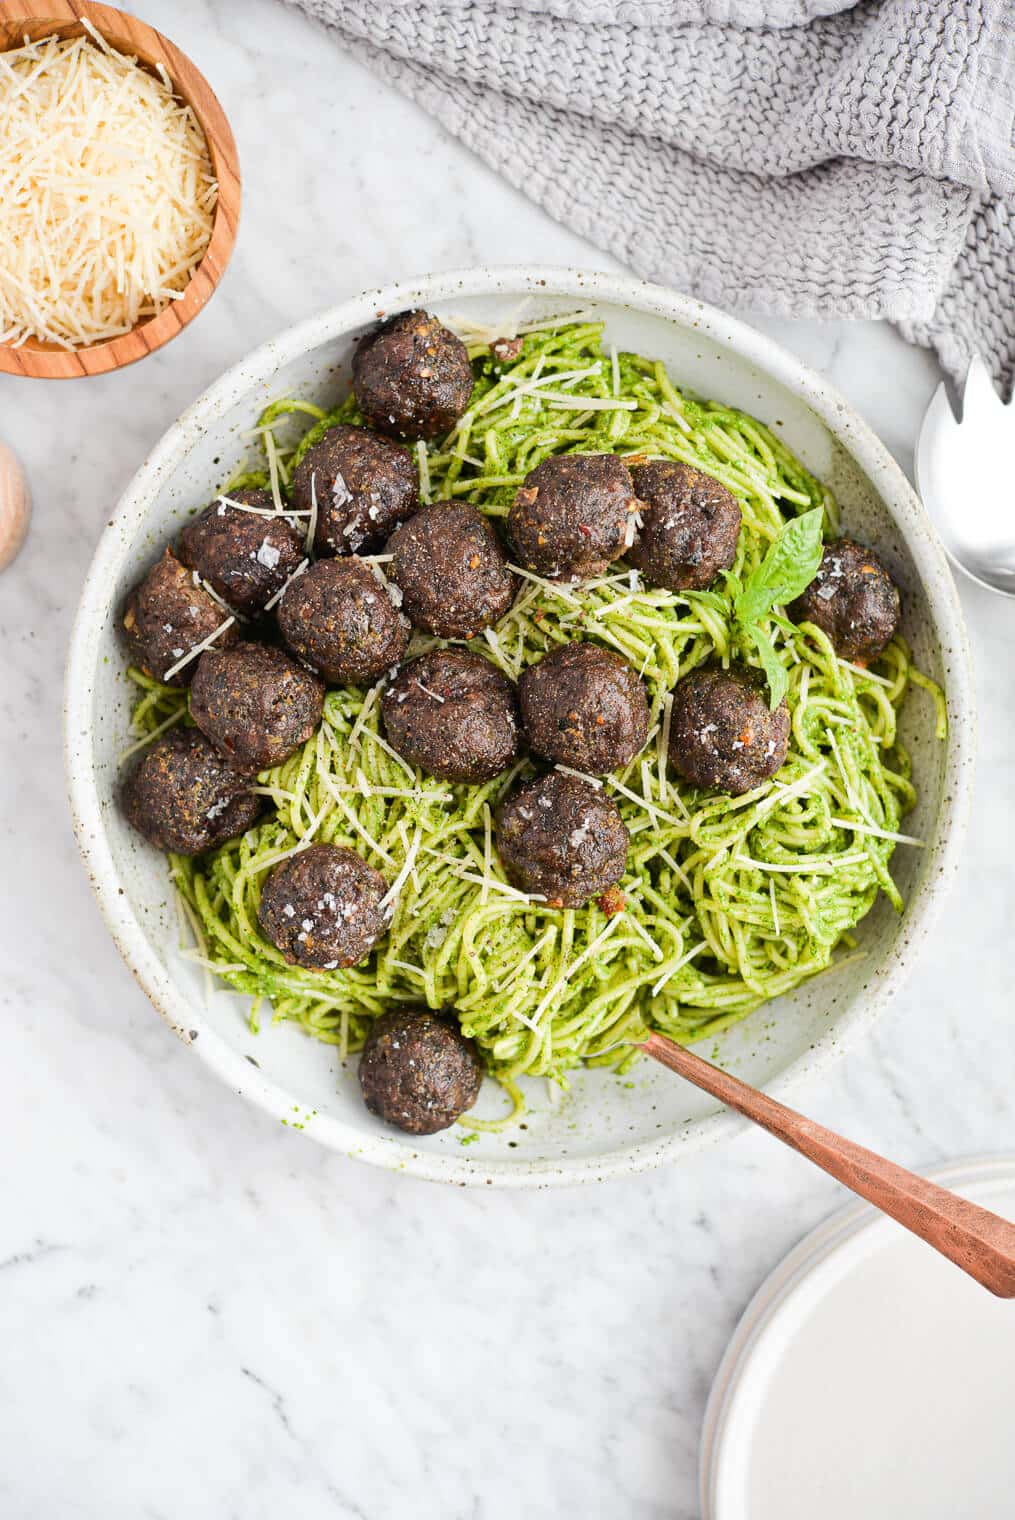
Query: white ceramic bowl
{"type": "Point", "coordinates": [603, 1128]}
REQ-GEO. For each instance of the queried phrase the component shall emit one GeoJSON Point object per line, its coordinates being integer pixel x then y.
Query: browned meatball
{"type": "Point", "coordinates": [321, 907]}
{"type": "Point", "coordinates": [243, 556]}
{"type": "Point", "coordinates": [853, 599]}
{"type": "Point", "coordinates": [451, 570]}
{"type": "Point", "coordinates": [573, 515]}
{"type": "Point", "coordinates": [722, 732]}
{"type": "Point", "coordinates": [689, 529]}
{"type": "Point", "coordinates": [418, 1071]}
{"type": "Point", "coordinates": [182, 796]}
{"type": "Point", "coordinates": [584, 707]}
{"type": "Point", "coordinates": [166, 614]}
{"type": "Point", "coordinates": [364, 486]}
{"type": "Point", "coordinates": [339, 620]}
{"type": "Point", "coordinates": [255, 704]}
{"type": "Point", "coordinates": [561, 838]}
{"type": "Point", "coordinates": [412, 377]}
{"type": "Point", "coordinates": [452, 714]}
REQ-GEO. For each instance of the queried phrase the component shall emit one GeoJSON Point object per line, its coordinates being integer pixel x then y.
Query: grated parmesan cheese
{"type": "Point", "coordinates": [559, 402]}
{"type": "Point", "coordinates": [671, 412]}
{"type": "Point", "coordinates": [312, 523]}
{"type": "Point", "coordinates": [569, 971]}
{"type": "Point", "coordinates": [360, 828]}
{"type": "Point", "coordinates": [391, 895]}
{"type": "Point", "coordinates": [241, 506]}
{"type": "Point", "coordinates": [424, 472]}
{"type": "Point", "coordinates": [301, 569]}
{"type": "Point", "coordinates": [643, 933]}
{"type": "Point", "coordinates": [107, 195]}
{"type": "Point", "coordinates": [273, 473]}
{"type": "Point", "coordinates": [683, 961]}
{"type": "Point", "coordinates": [517, 388]}
{"type": "Point", "coordinates": [197, 649]}
{"type": "Point", "coordinates": [878, 833]}
{"type": "Point", "coordinates": [663, 751]}
{"type": "Point", "coordinates": [581, 776]}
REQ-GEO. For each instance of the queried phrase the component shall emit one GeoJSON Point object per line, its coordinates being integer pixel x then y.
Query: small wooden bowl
{"type": "Point", "coordinates": [20, 19]}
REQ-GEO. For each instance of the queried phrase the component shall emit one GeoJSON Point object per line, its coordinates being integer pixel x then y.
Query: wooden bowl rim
{"type": "Point", "coordinates": [126, 33]}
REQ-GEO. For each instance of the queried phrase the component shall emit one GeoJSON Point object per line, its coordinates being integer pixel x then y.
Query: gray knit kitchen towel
{"type": "Point", "coordinates": [796, 157]}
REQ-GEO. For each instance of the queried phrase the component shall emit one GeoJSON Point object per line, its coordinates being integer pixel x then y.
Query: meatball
{"type": "Point", "coordinates": [452, 714]}
{"type": "Point", "coordinates": [182, 796]}
{"type": "Point", "coordinates": [364, 486]}
{"type": "Point", "coordinates": [722, 732]}
{"type": "Point", "coordinates": [339, 620]}
{"type": "Point", "coordinates": [412, 377]}
{"type": "Point", "coordinates": [255, 704]}
{"type": "Point", "coordinates": [418, 1071]}
{"type": "Point", "coordinates": [853, 599]}
{"type": "Point", "coordinates": [166, 614]}
{"type": "Point", "coordinates": [448, 564]}
{"type": "Point", "coordinates": [573, 515]}
{"type": "Point", "coordinates": [584, 707]}
{"type": "Point", "coordinates": [244, 556]}
{"type": "Point", "coordinates": [690, 526]}
{"type": "Point", "coordinates": [562, 838]}
{"type": "Point", "coordinates": [322, 907]}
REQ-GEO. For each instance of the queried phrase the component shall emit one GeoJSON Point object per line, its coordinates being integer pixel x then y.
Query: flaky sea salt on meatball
{"type": "Point", "coordinates": [412, 376]}
{"type": "Point", "coordinates": [561, 838]}
{"type": "Point", "coordinates": [322, 907]}
{"type": "Point", "coordinates": [182, 796]}
{"type": "Point", "coordinates": [722, 732]}
{"type": "Point", "coordinates": [853, 599]}
{"type": "Point", "coordinates": [690, 524]}
{"type": "Point", "coordinates": [245, 556]}
{"type": "Point", "coordinates": [449, 566]}
{"type": "Point", "coordinates": [573, 515]}
{"type": "Point", "coordinates": [585, 707]}
{"type": "Point", "coordinates": [361, 485]}
{"type": "Point", "coordinates": [452, 714]}
{"type": "Point", "coordinates": [418, 1071]}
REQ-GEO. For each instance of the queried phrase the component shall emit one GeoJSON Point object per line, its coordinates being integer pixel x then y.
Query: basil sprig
{"type": "Point", "coordinates": [790, 564]}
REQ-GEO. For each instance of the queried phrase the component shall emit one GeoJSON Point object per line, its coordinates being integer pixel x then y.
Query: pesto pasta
{"type": "Point", "coordinates": [727, 902]}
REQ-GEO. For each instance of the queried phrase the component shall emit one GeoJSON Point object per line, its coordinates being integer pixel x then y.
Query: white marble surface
{"type": "Point", "coordinates": [203, 1315]}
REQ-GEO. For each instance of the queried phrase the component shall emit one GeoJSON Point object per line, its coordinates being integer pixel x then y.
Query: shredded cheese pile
{"type": "Point", "coordinates": [106, 192]}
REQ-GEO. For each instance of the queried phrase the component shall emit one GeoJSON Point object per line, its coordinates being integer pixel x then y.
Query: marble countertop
{"type": "Point", "coordinates": [204, 1315]}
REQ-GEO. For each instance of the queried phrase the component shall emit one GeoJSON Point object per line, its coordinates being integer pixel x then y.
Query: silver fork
{"type": "Point", "coordinates": [964, 472]}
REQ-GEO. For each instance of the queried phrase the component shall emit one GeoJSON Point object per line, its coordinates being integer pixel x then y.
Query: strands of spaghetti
{"type": "Point", "coordinates": [727, 902]}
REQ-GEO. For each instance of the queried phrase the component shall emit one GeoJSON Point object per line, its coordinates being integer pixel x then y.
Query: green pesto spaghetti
{"type": "Point", "coordinates": [728, 902]}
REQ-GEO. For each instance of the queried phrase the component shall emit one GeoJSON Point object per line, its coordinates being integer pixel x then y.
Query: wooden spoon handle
{"type": "Point", "coordinates": [978, 1241]}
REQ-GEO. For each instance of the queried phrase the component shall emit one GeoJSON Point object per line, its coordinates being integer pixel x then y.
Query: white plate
{"type": "Point", "coordinates": [869, 1379]}
{"type": "Point", "coordinates": [605, 1128]}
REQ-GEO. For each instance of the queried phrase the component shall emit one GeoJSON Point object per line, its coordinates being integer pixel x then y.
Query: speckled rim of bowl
{"type": "Point", "coordinates": [842, 422]}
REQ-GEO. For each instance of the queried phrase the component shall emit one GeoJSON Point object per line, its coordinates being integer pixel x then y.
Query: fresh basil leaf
{"type": "Point", "coordinates": [706, 598]}
{"type": "Point", "coordinates": [775, 670]}
{"type": "Point", "coordinates": [782, 622]}
{"type": "Point", "coordinates": [754, 601]}
{"type": "Point", "coordinates": [732, 584]}
{"type": "Point", "coordinates": [787, 569]}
